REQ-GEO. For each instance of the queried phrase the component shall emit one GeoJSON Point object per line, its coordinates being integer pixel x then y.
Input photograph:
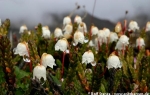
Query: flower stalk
{"type": "Point", "coordinates": [63, 60]}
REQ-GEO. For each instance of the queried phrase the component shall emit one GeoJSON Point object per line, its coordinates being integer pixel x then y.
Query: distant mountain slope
{"type": "Point", "coordinates": [100, 23]}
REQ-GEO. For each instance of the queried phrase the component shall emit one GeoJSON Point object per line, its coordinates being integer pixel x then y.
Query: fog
{"type": "Point", "coordinates": [32, 12]}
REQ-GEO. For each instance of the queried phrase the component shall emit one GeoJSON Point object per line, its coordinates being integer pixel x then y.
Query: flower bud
{"type": "Point", "coordinates": [118, 27]}
{"type": "Point", "coordinates": [148, 26]}
{"type": "Point", "coordinates": [39, 71]}
{"type": "Point", "coordinates": [68, 30]}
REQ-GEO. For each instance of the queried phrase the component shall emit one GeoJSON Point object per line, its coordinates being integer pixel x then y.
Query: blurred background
{"type": "Point", "coordinates": [106, 13]}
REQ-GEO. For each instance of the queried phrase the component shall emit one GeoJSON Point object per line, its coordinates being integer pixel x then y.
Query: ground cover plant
{"type": "Point", "coordinates": [74, 60]}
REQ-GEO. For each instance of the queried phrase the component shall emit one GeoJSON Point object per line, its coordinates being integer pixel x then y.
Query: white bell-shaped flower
{"type": "Point", "coordinates": [58, 33]}
{"type": "Point", "coordinates": [94, 30]}
{"type": "Point", "coordinates": [46, 32]}
{"type": "Point", "coordinates": [102, 37]}
{"type": "Point", "coordinates": [118, 27]}
{"type": "Point", "coordinates": [78, 37]}
{"type": "Point", "coordinates": [23, 28]}
{"type": "Point", "coordinates": [66, 20]}
{"type": "Point", "coordinates": [113, 62]}
{"type": "Point", "coordinates": [133, 25]}
{"type": "Point", "coordinates": [140, 42]}
{"type": "Point", "coordinates": [82, 27]}
{"type": "Point", "coordinates": [39, 72]}
{"type": "Point", "coordinates": [106, 32]}
{"type": "Point", "coordinates": [113, 37]}
{"type": "Point", "coordinates": [78, 19]}
{"type": "Point", "coordinates": [122, 43]}
{"type": "Point", "coordinates": [22, 49]}
{"type": "Point", "coordinates": [94, 43]}
{"type": "Point", "coordinates": [68, 30]}
{"type": "Point", "coordinates": [47, 60]}
{"type": "Point", "coordinates": [148, 26]}
{"type": "Point", "coordinates": [88, 57]}
{"type": "Point", "coordinates": [91, 43]}
{"type": "Point", "coordinates": [61, 45]}
{"type": "Point", "coordinates": [124, 39]}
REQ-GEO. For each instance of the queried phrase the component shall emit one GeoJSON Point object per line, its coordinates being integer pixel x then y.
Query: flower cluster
{"type": "Point", "coordinates": [73, 54]}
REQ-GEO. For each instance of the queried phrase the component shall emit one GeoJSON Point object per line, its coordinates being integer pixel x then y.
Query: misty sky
{"type": "Point", "coordinates": [32, 11]}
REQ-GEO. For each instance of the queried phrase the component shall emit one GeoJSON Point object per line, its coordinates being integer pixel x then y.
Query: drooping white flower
{"type": "Point", "coordinates": [39, 72]}
{"type": "Point", "coordinates": [140, 42]}
{"type": "Point", "coordinates": [148, 26]}
{"type": "Point", "coordinates": [68, 30]}
{"type": "Point", "coordinates": [66, 20]}
{"type": "Point", "coordinates": [88, 57]}
{"type": "Point", "coordinates": [82, 27]}
{"type": "Point", "coordinates": [78, 19]}
{"type": "Point", "coordinates": [118, 27]}
{"type": "Point", "coordinates": [122, 43]}
{"type": "Point", "coordinates": [106, 32]}
{"type": "Point", "coordinates": [61, 45]}
{"type": "Point", "coordinates": [113, 62]}
{"type": "Point", "coordinates": [47, 60]}
{"type": "Point", "coordinates": [22, 49]}
{"type": "Point", "coordinates": [91, 43]}
{"type": "Point", "coordinates": [78, 37]}
{"type": "Point", "coordinates": [46, 32]}
{"type": "Point", "coordinates": [58, 33]}
{"type": "Point", "coordinates": [94, 30]}
{"type": "Point", "coordinates": [23, 28]}
{"type": "Point", "coordinates": [113, 37]}
{"type": "Point", "coordinates": [133, 25]}
{"type": "Point", "coordinates": [94, 43]}
{"type": "Point", "coordinates": [102, 37]}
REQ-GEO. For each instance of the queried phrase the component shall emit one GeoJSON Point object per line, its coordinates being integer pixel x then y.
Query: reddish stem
{"type": "Point", "coordinates": [30, 64]}
{"type": "Point", "coordinates": [99, 45]}
{"type": "Point", "coordinates": [123, 50]}
{"type": "Point", "coordinates": [107, 44]}
{"type": "Point", "coordinates": [63, 59]}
